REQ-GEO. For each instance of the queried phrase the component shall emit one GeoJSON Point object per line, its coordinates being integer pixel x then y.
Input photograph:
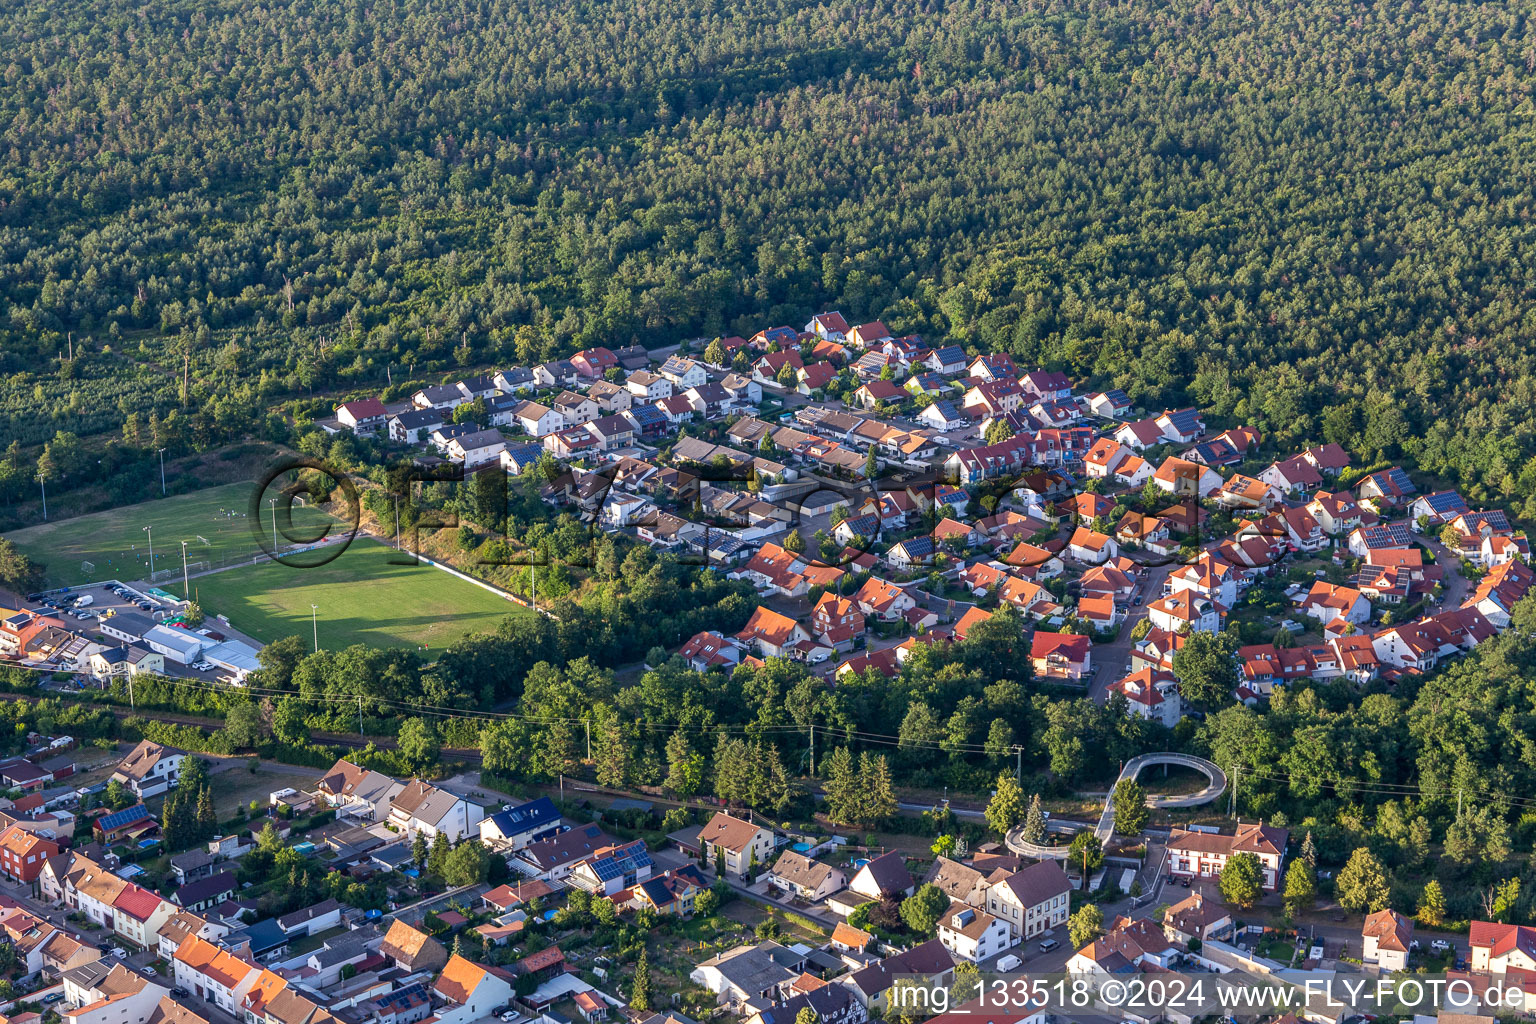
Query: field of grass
{"type": "Point", "coordinates": [361, 597]}
{"type": "Point", "coordinates": [214, 522]}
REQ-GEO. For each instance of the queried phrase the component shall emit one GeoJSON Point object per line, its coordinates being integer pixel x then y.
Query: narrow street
{"type": "Point", "coordinates": [1109, 659]}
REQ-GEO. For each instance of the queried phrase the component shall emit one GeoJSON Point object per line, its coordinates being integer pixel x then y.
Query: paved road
{"type": "Point", "coordinates": [1110, 658]}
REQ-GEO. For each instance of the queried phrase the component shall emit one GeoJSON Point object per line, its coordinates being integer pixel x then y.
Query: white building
{"type": "Point", "coordinates": [150, 769]}
{"type": "Point", "coordinates": [973, 935]}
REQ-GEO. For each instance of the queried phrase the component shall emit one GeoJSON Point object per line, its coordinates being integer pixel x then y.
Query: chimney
{"type": "Point", "coordinates": [1199, 899]}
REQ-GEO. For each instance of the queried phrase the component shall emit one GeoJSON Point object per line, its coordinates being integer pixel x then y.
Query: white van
{"type": "Point", "coordinates": [83, 600]}
{"type": "Point", "coordinates": [1009, 963]}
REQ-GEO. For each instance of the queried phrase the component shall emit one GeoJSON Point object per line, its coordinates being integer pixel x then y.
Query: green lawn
{"type": "Point", "coordinates": [362, 598]}
{"type": "Point", "coordinates": [215, 523]}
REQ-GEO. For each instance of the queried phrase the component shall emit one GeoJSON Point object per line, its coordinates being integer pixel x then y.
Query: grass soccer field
{"type": "Point", "coordinates": [362, 599]}
{"type": "Point", "coordinates": [215, 524]}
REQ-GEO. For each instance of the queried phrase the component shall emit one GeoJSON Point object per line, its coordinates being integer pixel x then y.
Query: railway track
{"type": "Point", "coordinates": [352, 740]}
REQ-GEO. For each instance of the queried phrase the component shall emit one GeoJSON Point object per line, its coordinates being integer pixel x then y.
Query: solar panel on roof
{"type": "Point", "coordinates": [125, 817]}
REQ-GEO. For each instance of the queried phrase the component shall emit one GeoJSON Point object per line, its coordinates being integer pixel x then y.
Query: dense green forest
{"type": "Point", "coordinates": [1313, 217]}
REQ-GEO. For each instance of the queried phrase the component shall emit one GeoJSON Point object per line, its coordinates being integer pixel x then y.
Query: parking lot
{"type": "Point", "coordinates": [86, 608]}
{"type": "Point", "coordinates": [100, 601]}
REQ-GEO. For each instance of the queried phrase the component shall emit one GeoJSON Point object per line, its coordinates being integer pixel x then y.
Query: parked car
{"type": "Point", "coordinates": [52, 997]}
{"type": "Point", "coordinates": [1048, 945]}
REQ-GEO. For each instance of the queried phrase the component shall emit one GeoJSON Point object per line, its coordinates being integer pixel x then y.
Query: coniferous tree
{"type": "Point", "coordinates": [1034, 822]}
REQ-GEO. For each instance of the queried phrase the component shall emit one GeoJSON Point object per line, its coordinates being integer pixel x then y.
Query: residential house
{"type": "Point", "coordinates": [214, 974]}
{"type": "Point", "coordinates": [139, 916]}
{"type": "Point", "coordinates": [648, 386]}
{"type": "Point", "coordinates": [740, 843]}
{"type": "Point", "coordinates": [514, 380]}
{"type": "Point", "coordinates": [557, 373]}
{"type": "Point", "coordinates": [877, 392]}
{"type": "Point", "coordinates": [671, 892]}
{"type": "Point", "coordinates": [684, 373]}
{"type": "Point", "coordinates": [1386, 939]}
{"type": "Point", "coordinates": [517, 826]}
{"type": "Point", "coordinates": [883, 600]}
{"type": "Point", "coordinates": [805, 877]}
{"type": "Point", "coordinates": [1184, 478]}
{"type": "Point", "coordinates": [1387, 488]}
{"type": "Point", "coordinates": [1197, 919]}
{"type": "Point", "coordinates": [206, 893]}
{"type": "Point", "coordinates": [1061, 656]}
{"type": "Point", "coordinates": [711, 650]}
{"type": "Point", "coordinates": [575, 409]}
{"type": "Point", "coordinates": [884, 878]}
{"type": "Point", "coordinates": [612, 868]}
{"type": "Point", "coordinates": [1499, 948]}
{"type": "Point", "coordinates": [1111, 404]}
{"type": "Point", "coordinates": [466, 991]}
{"type": "Point", "coordinates": [412, 950]}
{"type": "Point", "coordinates": [442, 397]}
{"type": "Point", "coordinates": [1181, 426]}
{"type": "Point", "coordinates": [1151, 693]}
{"type": "Point", "coordinates": [593, 363]}
{"type": "Point", "coordinates": [553, 859]}
{"type": "Point", "coordinates": [1326, 602]}
{"type": "Point", "coordinates": [150, 769]}
{"type": "Point", "coordinates": [1432, 511]}
{"type": "Point", "coordinates": [1132, 473]}
{"type": "Point", "coordinates": [867, 335]}
{"type": "Point", "coordinates": [974, 935]}
{"type": "Point", "coordinates": [830, 326]}
{"type": "Point", "coordinates": [774, 634]}
{"type": "Point", "coordinates": [24, 851]}
{"type": "Point", "coordinates": [1091, 547]}
{"type": "Point", "coordinates": [837, 621]}
{"type": "Point", "coordinates": [611, 397]}
{"type": "Point", "coordinates": [357, 792]}
{"type": "Point", "coordinates": [1103, 458]}
{"type": "Point", "coordinates": [745, 976]}
{"type": "Point", "coordinates": [422, 809]}
{"type": "Point", "coordinates": [1292, 476]}
{"type": "Point", "coordinates": [942, 416]}
{"type": "Point", "coordinates": [537, 420]}
{"type": "Point", "coordinates": [1031, 901]}
{"type": "Point", "coordinates": [363, 417]}
{"type": "Point", "coordinates": [926, 964]}
{"type": "Point", "coordinates": [829, 1003]}
{"type": "Point", "coordinates": [129, 823]}
{"type": "Point", "coordinates": [106, 992]}
{"type": "Point", "coordinates": [478, 448]}
{"type": "Point", "coordinates": [1185, 612]}
{"type": "Point", "coordinates": [1204, 854]}
{"type": "Point", "coordinates": [612, 432]}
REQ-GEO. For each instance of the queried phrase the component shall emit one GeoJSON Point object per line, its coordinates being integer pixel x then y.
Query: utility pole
{"type": "Point", "coordinates": [272, 504]}
{"type": "Point", "coordinates": [161, 452]}
{"type": "Point", "coordinates": [151, 531]}
{"type": "Point", "coordinates": [314, 622]}
{"type": "Point", "coordinates": [42, 482]}
{"type": "Point", "coordinates": [186, 585]}
{"type": "Point", "coordinates": [131, 704]}
{"type": "Point", "coordinates": [1018, 765]}
{"type": "Point", "coordinates": [360, 715]}
{"type": "Point", "coordinates": [588, 723]}
{"type": "Point", "coordinates": [813, 750]}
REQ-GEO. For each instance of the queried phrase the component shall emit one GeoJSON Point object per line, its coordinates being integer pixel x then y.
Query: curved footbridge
{"type": "Point", "coordinates": [1106, 827]}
